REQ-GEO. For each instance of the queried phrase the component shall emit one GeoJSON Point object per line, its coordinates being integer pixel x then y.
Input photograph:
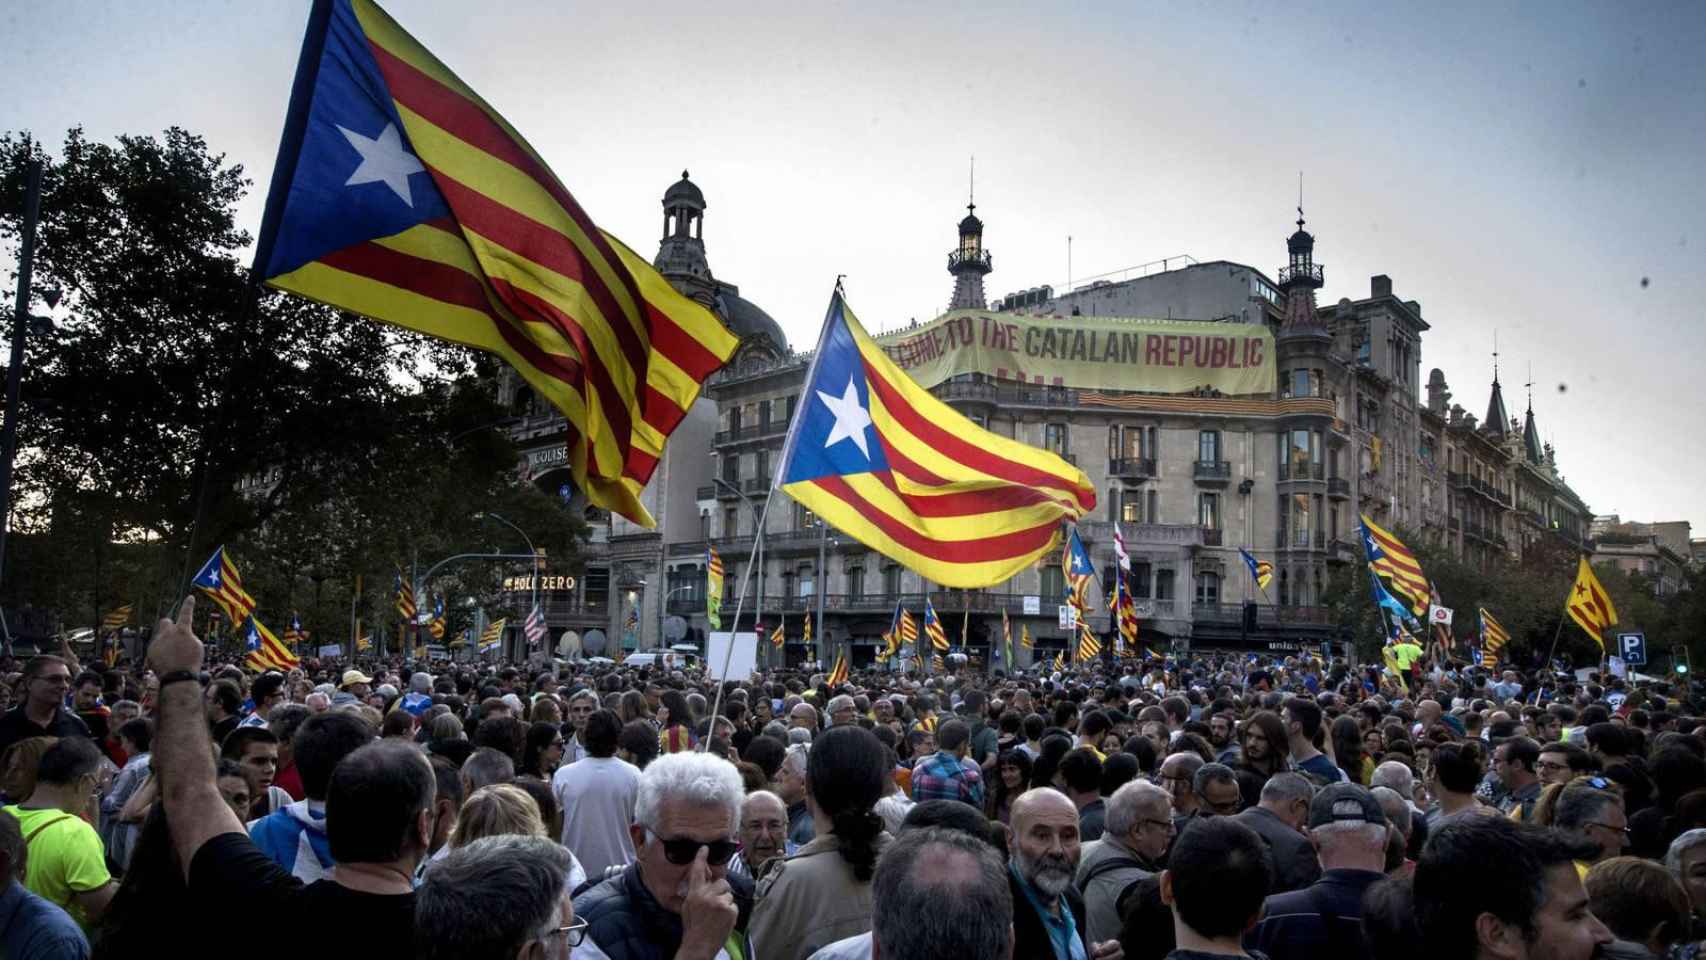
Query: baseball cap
{"type": "Point", "coordinates": [354, 676]}
{"type": "Point", "coordinates": [1344, 803]}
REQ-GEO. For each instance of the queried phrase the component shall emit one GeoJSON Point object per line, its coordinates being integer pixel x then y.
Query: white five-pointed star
{"type": "Point", "coordinates": [851, 419]}
{"type": "Point", "coordinates": [383, 160]}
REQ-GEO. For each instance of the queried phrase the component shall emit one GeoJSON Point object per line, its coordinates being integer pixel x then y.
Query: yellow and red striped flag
{"type": "Point", "coordinates": [1493, 639]}
{"type": "Point", "coordinates": [401, 195]}
{"type": "Point", "coordinates": [265, 652]}
{"type": "Point", "coordinates": [908, 627]}
{"type": "Point", "coordinates": [1025, 640]}
{"type": "Point", "coordinates": [933, 627]}
{"type": "Point", "coordinates": [1089, 645]}
{"type": "Point", "coordinates": [219, 579]}
{"type": "Point", "coordinates": [806, 635]}
{"type": "Point", "coordinates": [777, 637]}
{"type": "Point", "coordinates": [1589, 605]}
{"type": "Point", "coordinates": [838, 675]}
{"type": "Point", "coordinates": [1391, 559]}
{"type": "Point", "coordinates": [885, 461]}
{"type": "Point", "coordinates": [115, 620]}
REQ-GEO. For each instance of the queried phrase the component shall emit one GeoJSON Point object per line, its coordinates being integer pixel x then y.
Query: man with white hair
{"type": "Point", "coordinates": [1396, 776]}
{"type": "Point", "coordinates": [676, 899]}
{"type": "Point", "coordinates": [842, 711]}
{"type": "Point", "coordinates": [791, 787]}
{"type": "Point", "coordinates": [1348, 829]}
{"type": "Point", "coordinates": [763, 834]}
{"type": "Point", "coordinates": [1135, 836]}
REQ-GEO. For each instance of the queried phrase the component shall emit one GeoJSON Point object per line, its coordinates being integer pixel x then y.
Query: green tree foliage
{"type": "Point", "coordinates": [176, 406]}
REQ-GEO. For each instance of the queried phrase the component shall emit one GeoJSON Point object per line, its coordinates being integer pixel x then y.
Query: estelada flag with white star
{"type": "Point", "coordinates": [1589, 605]}
{"type": "Point", "coordinates": [885, 462]}
{"type": "Point", "coordinates": [401, 195]}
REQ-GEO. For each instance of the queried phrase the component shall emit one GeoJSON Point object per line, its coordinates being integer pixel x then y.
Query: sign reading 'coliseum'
{"type": "Point", "coordinates": [1089, 353]}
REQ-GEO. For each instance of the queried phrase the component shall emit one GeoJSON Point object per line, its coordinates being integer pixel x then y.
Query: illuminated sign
{"type": "Point", "coordinates": [546, 583]}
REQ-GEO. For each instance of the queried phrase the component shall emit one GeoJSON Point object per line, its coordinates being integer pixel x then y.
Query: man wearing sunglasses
{"type": "Point", "coordinates": [1592, 809]}
{"type": "Point", "coordinates": [42, 712]}
{"type": "Point", "coordinates": [677, 898]}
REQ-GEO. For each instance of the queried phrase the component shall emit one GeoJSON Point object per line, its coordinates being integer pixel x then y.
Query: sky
{"type": "Point", "coordinates": [1532, 170]}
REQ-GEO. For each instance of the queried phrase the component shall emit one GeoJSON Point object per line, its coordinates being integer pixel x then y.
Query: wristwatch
{"type": "Point", "coordinates": [177, 675]}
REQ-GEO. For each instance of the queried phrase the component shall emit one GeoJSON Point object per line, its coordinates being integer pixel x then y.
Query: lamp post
{"type": "Point", "coordinates": [534, 593]}
{"type": "Point", "coordinates": [663, 608]}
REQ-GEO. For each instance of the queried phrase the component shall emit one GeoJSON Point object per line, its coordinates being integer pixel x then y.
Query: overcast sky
{"type": "Point", "coordinates": [1534, 169]}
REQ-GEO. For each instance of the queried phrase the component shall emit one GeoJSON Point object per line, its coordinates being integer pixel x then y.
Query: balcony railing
{"type": "Point", "coordinates": [1266, 613]}
{"type": "Point", "coordinates": [1302, 471]}
{"type": "Point", "coordinates": [752, 431]}
{"type": "Point", "coordinates": [978, 259]}
{"type": "Point", "coordinates": [1307, 541]}
{"type": "Point", "coordinates": [1212, 537]}
{"type": "Point", "coordinates": [1189, 535]}
{"type": "Point", "coordinates": [1338, 487]}
{"type": "Point", "coordinates": [705, 493]}
{"type": "Point", "coordinates": [1311, 272]}
{"type": "Point", "coordinates": [1212, 471]}
{"type": "Point", "coordinates": [1131, 468]}
{"type": "Point", "coordinates": [756, 485]}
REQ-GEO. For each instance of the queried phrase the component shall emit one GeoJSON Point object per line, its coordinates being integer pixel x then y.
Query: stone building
{"type": "Point", "coordinates": [1662, 551]}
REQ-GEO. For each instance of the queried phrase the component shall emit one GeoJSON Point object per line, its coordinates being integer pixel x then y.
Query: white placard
{"type": "Point", "coordinates": [743, 660]}
{"type": "Point", "coordinates": [332, 650]}
{"type": "Point", "coordinates": [1438, 615]}
{"type": "Point", "coordinates": [1068, 616]}
{"type": "Point", "coordinates": [1033, 605]}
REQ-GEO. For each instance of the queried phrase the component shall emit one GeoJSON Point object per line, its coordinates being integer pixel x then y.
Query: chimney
{"type": "Point", "coordinates": [1379, 285]}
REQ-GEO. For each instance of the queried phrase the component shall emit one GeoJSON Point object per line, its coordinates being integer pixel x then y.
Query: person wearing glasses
{"type": "Point", "coordinates": [42, 712]}
{"type": "Point", "coordinates": [1591, 808]}
{"type": "Point", "coordinates": [1135, 836]}
{"type": "Point", "coordinates": [496, 899]}
{"type": "Point", "coordinates": [676, 899]}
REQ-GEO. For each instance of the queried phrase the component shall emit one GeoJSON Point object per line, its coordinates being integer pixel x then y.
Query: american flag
{"type": "Point", "coordinates": [534, 628]}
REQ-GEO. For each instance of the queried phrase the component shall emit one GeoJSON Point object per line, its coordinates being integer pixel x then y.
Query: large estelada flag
{"type": "Point", "coordinates": [1389, 558]}
{"type": "Point", "coordinates": [1589, 605]}
{"type": "Point", "coordinates": [219, 579]}
{"type": "Point", "coordinates": [400, 195]}
{"type": "Point", "coordinates": [900, 471]}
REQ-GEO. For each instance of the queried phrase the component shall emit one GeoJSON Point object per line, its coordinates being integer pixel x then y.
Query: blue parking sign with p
{"type": "Point", "coordinates": [1634, 647]}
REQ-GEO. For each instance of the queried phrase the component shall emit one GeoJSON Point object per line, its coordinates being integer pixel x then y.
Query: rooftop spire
{"type": "Point", "coordinates": [1530, 433]}
{"type": "Point", "coordinates": [1497, 421]}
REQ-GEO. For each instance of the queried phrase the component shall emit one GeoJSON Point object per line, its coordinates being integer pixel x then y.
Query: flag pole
{"type": "Point", "coordinates": [1555, 635]}
{"type": "Point", "coordinates": [740, 600]}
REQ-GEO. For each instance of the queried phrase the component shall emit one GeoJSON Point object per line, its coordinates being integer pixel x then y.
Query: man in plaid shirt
{"type": "Point", "coordinates": [948, 775]}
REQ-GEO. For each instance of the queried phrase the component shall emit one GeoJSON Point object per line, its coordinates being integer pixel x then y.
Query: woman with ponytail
{"type": "Point", "coordinates": [822, 893]}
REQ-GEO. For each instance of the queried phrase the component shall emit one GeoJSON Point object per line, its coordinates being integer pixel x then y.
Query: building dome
{"type": "Point", "coordinates": [971, 224]}
{"type": "Point", "coordinates": [746, 319]}
{"type": "Point", "coordinates": [683, 191]}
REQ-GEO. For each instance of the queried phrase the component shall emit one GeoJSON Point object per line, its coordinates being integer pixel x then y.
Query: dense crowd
{"type": "Point", "coordinates": [1214, 805]}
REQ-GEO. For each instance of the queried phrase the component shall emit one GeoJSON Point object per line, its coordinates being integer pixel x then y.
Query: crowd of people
{"type": "Point", "coordinates": [1205, 806]}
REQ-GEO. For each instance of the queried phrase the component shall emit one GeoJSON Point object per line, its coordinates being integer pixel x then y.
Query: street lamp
{"type": "Point", "coordinates": [488, 515]}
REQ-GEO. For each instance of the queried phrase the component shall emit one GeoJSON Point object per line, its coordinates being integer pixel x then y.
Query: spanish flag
{"type": "Point", "coordinates": [883, 460]}
{"type": "Point", "coordinates": [1589, 605]}
{"type": "Point", "coordinates": [401, 195]}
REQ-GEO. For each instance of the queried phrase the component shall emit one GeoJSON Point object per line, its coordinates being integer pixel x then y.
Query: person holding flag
{"type": "Point", "coordinates": [1589, 605]}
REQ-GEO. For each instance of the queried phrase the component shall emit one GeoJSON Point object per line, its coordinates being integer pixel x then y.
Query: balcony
{"type": "Point", "coordinates": [1267, 614]}
{"type": "Point", "coordinates": [1338, 488]}
{"type": "Point", "coordinates": [727, 489]}
{"type": "Point", "coordinates": [1212, 471]}
{"type": "Point", "coordinates": [978, 260]}
{"type": "Point", "coordinates": [691, 548]}
{"type": "Point", "coordinates": [758, 485]}
{"type": "Point", "coordinates": [1311, 273]}
{"type": "Point", "coordinates": [1153, 534]}
{"type": "Point", "coordinates": [1341, 550]}
{"type": "Point", "coordinates": [1302, 471]}
{"type": "Point", "coordinates": [1307, 542]}
{"type": "Point", "coordinates": [753, 432]}
{"type": "Point", "coordinates": [1131, 468]}
{"type": "Point", "coordinates": [705, 493]}
{"type": "Point", "coordinates": [1212, 537]}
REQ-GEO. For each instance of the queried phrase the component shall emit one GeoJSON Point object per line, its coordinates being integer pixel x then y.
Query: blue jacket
{"type": "Point", "coordinates": [1321, 920]}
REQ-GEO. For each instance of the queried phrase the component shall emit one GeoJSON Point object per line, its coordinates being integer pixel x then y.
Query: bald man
{"type": "Point", "coordinates": [1043, 838]}
{"type": "Point", "coordinates": [763, 833]}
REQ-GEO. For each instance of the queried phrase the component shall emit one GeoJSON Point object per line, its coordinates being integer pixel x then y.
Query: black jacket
{"type": "Point", "coordinates": [1295, 864]}
{"type": "Point", "coordinates": [1030, 937]}
{"type": "Point", "coordinates": [628, 923]}
{"type": "Point", "coordinates": [1321, 920]}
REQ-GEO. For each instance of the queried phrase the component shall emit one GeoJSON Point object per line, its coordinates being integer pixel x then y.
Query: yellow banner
{"type": "Point", "coordinates": [1088, 353]}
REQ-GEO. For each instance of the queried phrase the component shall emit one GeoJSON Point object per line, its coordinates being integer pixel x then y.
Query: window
{"type": "Point", "coordinates": [1208, 587]}
{"type": "Point", "coordinates": [1208, 446]}
{"type": "Point", "coordinates": [1284, 520]}
{"type": "Point", "coordinates": [734, 419]}
{"type": "Point", "coordinates": [1164, 584]}
{"type": "Point", "coordinates": [979, 420]}
{"type": "Point", "coordinates": [1284, 588]}
{"type": "Point", "coordinates": [1139, 581]}
{"type": "Point", "coordinates": [792, 399]}
{"type": "Point", "coordinates": [731, 467]}
{"type": "Point", "coordinates": [704, 524]}
{"type": "Point", "coordinates": [891, 579]}
{"type": "Point", "coordinates": [1208, 511]}
{"type": "Point", "coordinates": [808, 580]}
{"type": "Point", "coordinates": [1054, 438]}
{"type": "Point", "coordinates": [731, 522]}
{"type": "Point", "coordinates": [1300, 520]}
{"type": "Point", "coordinates": [803, 518]}
{"type": "Point", "coordinates": [764, 413]}
{"type": "Point", "coordinates": [1154, 506]}
{"type": "Point", "coordinates": [1053, 585]}
{"type": "Point", "coordinates": [1131, 506]}
{"type": "Point", "coordinates": [762, 470]}
{"type": "Point", "coordinates": [855, 582]}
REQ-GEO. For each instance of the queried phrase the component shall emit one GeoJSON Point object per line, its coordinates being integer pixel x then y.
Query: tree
{"type": "Point", "coordinates": [178, 404]}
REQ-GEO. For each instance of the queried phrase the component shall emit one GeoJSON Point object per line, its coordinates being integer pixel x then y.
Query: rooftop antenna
{"type": "Point", "coordinates": [971, 185]}
{"type": "Point", "coordinates": [1300, 199]}
{"type": "Point", "coordinates": [1530, 386]}
{"type": "Point", "coordinates": [1495, 354]}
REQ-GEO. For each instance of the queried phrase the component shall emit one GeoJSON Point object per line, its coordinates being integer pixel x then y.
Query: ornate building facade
{"type": "Point", "coordinates": [1189, 478]}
